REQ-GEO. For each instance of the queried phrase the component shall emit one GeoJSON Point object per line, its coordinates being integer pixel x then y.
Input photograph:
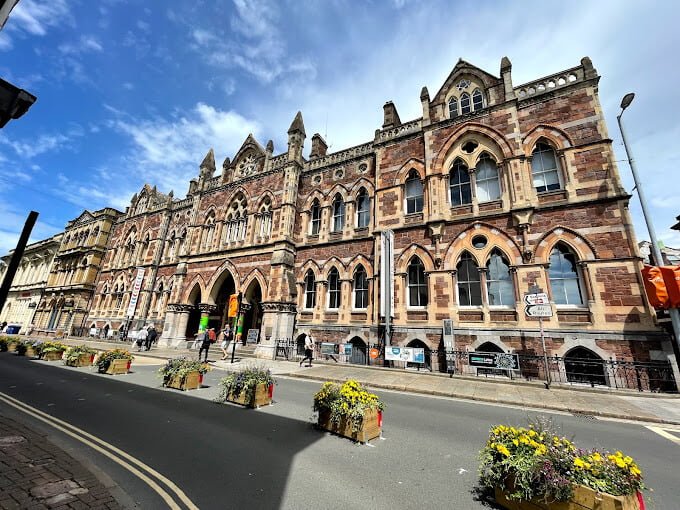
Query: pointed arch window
{"type": "Point", "coordinates": [465, 106]}
{"type": "Point", "coordinates": [338, 214]}
{"type": "Point", "coordinates": [453, 108]}
{"type": "Point", "coordinates": [417, 284]}
{"type": "Point", "coordinates": [488, 184]}
{"type": "Point", "coordinates": [360, 288]}
{"type": "Point", "coordinates": [544, 169]}
{"type": "Point", "coordinates": [310, 290]}
{"type": "Point", "coordinates": [459, 184]}
{"type": "Point", "coordinates": [363, 208]}
{"type": "Point", "coordinates": [266, 219]}
{"type": "Point", "coordinates": [477, 100]}
{"type": "Point", "coordinates": [469, 282]}
{"type": "Point", "coordinates": [334, 289]}
{"type": "Point", "coordinates": [498, 281]}
{"type": "Point", "coordinates": [414, 193]}
{"type": "Point", "coordinates": [315, 218]}
{"type": "Point", "coordinates": [565, 280]}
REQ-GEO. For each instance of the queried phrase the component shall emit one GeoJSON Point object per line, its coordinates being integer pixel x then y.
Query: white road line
{"type": "Point", "coordinates": [91, 441]}
{"type": "Point", "coordinates": [666, 432]}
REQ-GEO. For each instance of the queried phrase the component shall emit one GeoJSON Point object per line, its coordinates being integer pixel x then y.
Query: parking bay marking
{"type": "Point", "coordinates": [670, 434]}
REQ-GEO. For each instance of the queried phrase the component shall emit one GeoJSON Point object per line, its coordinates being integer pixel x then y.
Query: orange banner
{"type": "Point", "coordinates": [233, 306]}
{"type": "Point", "coordinates": [671, 277]}
{"type": "Point", "coordinates": [655, 287]}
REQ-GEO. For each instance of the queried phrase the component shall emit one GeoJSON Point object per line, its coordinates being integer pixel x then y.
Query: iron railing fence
{"type": "Point", "coordinates": [653, 376]}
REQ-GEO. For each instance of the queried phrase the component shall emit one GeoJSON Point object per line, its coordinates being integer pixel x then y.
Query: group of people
{"type": "Point", "coordinates": [144, 338]}
{"type": "Point", "coordinates": [204, 339]}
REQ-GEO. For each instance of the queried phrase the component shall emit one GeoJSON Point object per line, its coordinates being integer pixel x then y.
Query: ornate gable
{"type": "Point", "coordinates": [249, 160]}
{"type": "Point", "coordinates": [464, 76]}
{"type": "Point", "coordinates": [85, 217]}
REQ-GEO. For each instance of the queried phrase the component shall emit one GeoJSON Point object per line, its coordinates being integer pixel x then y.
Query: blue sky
{"type": "Point", "coordinates": [137, 91]}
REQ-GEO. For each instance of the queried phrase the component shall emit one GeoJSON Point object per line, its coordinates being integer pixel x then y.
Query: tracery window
{"type": "Point", "coordinates": [469, 284]}
{"type": "Point", "coordinates": [237, 219]}
{"type": "Point", "coordinates": [459, 184]}
{"type": "Point", "coordinates": [477, 100]}
{"type": "Point", "coordinates": [498, 281]}
{"type": "Point", "coordinates": [465, 106]}
{"type": "Point", "coordinates": [565, 280]}
{"type": "Point", "coordinates": [363, 208]}
{"type": "Point", "coordinates": [360, 288]}
{"type": "Point", "coordinates": [334, 289]}
{"type": "Point", "coordinates": [453, 108]}
{"type": "Point", "coordinates": [338, 214]}
{"type": "Point", "coordinates": [310, 290]}
{"type": "Point", "coordinates": [315, 222]}
{"type": "Point", "coordinates": [266, 219]}
{"type": "Point", "coordinates": [487, 182]}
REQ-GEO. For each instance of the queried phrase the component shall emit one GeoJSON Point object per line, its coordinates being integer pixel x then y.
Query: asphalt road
{"type": "Point", "coordinates": [224, 456]}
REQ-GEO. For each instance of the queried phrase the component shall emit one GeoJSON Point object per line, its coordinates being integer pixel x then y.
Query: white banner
{"type": "Point", "coordinates": [387, 273]}
{"type": "Point", "coordinates": [410, 354]}
{"type": "Point", "coordinates": [136, 287]}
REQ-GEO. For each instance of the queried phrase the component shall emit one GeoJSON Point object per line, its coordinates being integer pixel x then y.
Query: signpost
{"type": "Point", "coordinates": [538, 305]}
{"type": "Point", "coordinates": [386, 280]}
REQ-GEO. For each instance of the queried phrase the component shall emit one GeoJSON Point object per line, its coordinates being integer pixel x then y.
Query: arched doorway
{"type": "Point", "coordinates": [488, 347]}
{"type": "Point", "coordinates": [491, 347]}
{"type": "Point", "coordinates": [584, 366]}
{"type": "Point", "coordinates": [419, 344]}
{"type": "Point", "coordinates": [222, 289]}
{"type": "Point", "coordinates": [358, 356]}
{"type": "Point", "coordinates": [194, 314]}
{"type": "Point", "coordinates": [252, 318]}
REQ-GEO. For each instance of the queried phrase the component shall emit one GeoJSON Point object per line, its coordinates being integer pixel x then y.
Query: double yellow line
{"type": "Point", "coordinates": [174, 497]}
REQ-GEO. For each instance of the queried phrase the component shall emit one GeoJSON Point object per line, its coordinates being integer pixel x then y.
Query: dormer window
{"type": "Point", "coordinates": [453, 108]}
{"type": "Point", "coordinates": [460, 97]}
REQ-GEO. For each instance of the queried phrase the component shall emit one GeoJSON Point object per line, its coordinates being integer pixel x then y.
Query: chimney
{"type": "Point", "coordinates": [319, 147]}
{"type": "Point", "coordinates": [391, 116]}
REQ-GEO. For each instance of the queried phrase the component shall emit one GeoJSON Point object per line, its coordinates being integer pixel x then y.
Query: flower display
{"type": "Point", "coordinates": [348, 401]}
{"type": "Point", "coordinates": [47, 347]}
{"type": "Point", "coordinates": [535, 463]}
{"type": "Point", "coordinates": [180, 368]}
{"type": "Point", "coordinates": [244, 381]}
{"type": "Point", "coordinates": [73, 354]}
{"type": "Point", "coordinates": [104, 359]}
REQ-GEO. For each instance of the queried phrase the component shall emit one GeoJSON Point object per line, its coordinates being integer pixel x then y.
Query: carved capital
{"type": "Point", "coordinates": [279, 307]}
{"type": "Point", "coordinates": [179, 308]}
{"type": "Point", "coordinates": [207, 308]}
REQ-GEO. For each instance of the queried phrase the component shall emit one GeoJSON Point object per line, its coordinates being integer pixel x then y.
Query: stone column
{"type": "Point", "coordinates": [174, 328]}
{"type": "Point", "coordinates": [278, 320]}
{"type": "Point", "coordinates": [207, 309]}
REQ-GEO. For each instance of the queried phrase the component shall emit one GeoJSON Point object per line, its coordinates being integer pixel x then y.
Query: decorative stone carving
{"type": "Point", "coordinates": [279, 307]}
{"type": "Point", "coordinates": [179, 308]}
{"type": "Point", "coordinates": [207, 308]}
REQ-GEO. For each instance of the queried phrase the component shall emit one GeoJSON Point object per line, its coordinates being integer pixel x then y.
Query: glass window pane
{"type": "Point", "coordinates": [477, 99]}
{"type": "Point", "coordinates": [465, 103]}
{"type": "Point", "coordinates": [558, 292]}
{"type": "Point", "coordinates": [463, 294]}
{"type": "Point", "coordinates": [453, 108]}
{"type": "Point", "coordinates": [475, 294]}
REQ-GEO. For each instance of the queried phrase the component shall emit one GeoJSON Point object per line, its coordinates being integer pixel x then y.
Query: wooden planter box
{"type": "Point", "coordinates": [263, 396]}
{"type": "Point", "coordinates": [370, 428]}
{"type": "Point", "coordinates": [11, 347]}
{"type": "Point", "coordinates": [53, 356]}
{"type": "Point", "coordinates": [85, 360]}
{"type": "Point", "coordinates": [118, 366]}
{"type": "Point", "coordinates": [583, 499]}
{"type": "Point", "coordinates": [192, 381]}
{"type": "Point", "coordinates": [30, 352]}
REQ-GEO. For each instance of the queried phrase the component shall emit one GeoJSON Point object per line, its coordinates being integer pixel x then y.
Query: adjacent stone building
{"type": "Point", "coordinates": [68, 294]}
{"type": "Point", "coordinates": [497, 188]}
{"type": "Point", "coordinates": [29, 282]}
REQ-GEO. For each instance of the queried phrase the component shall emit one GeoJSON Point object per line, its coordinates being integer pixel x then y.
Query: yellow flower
{"type": "Point", "coordinates": [515, 442]}
{"type": "Point", "coordinates": [579, 463]}
{"type": "Point", "coordinates": [635, 471]}
{"type": "Point", "coordinates": [503, 450]}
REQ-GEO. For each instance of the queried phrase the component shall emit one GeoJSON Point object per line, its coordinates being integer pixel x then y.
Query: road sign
{"type": "Point", "coordinates": [538, 311]}
{"type": "Point", "coordinates": [374, 353]}
{"type": "Point", "coordinates": [540, 298]}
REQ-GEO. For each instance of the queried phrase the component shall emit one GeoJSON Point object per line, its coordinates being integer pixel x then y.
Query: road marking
{"type": "Point", "coordinates": [666, 432]}
{"type": "Point", "coordinates": [91, 441]}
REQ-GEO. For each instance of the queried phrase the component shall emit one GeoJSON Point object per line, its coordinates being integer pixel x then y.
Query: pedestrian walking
{"type": "Point", "coordinates": [138, 338]}
{"type": "Point", "coordinates": [106, 331]}
{"type": "Point", "coordinates": [151, 335]}
{"type": "Point", "coordinates": [204, 337]}
{"type": "Point", "coordinates": [225, 339]}
{"type": "Point", "coordinates": [309, 349]}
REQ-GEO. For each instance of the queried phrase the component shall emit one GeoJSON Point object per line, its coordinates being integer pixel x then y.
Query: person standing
{"type": "Point", "coordinates": [106, 331]}
{"type": "Point", "coordinates": [205, 345]}
{"type": "Point", "coordinates": [225, 340]}
{"type": "Point", "coordinates": [151, 335]}
{"type": "Point", "coordinates": [309, 349]}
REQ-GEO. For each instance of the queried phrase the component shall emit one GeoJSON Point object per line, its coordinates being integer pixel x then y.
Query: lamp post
{"type": "Point", "coordinates": [656, 252]}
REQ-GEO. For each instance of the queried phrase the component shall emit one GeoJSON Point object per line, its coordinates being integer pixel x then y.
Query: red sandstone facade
{"type": "Point", "coordinates": [496, 188]}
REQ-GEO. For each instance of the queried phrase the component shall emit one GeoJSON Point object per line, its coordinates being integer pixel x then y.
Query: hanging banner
{"type": "Point", "coordinates": [233, 306]}
{"type": "Point", "coordinates": [655, 287]}
{"type": "Point", "coordinates": [203, 324]}
{"type": "Point", "coordinates": [387, 273]}
{"type": "Point", "coordinates": [409, 354]}
{"type": "Point", "coordinates": [671, 278]}
{"type": "Point", "coordinates": [136, 287]}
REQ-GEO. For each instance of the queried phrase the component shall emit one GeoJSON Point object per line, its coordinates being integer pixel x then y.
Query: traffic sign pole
{"type": "Point", "coordinates": [545, 354]}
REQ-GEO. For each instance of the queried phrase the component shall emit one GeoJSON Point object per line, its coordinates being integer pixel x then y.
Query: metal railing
{"type": "Point", "coordinates": [653, 376]}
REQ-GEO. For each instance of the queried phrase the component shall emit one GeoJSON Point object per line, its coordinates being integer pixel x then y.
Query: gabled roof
{"type": "Point", "coordinates": [84, 217]}
{"type": "Point", "coordinates": [462, 68]}
{"type": "Point", "coordinates": [249, 144]}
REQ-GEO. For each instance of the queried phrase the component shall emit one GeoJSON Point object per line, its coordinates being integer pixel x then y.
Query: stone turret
{"type": "Point", "coordinates": [506, 75]}
{"type": "Point", "coordinates": [425, 102]}
{"type": "Point", "coordinates": [296, 139]}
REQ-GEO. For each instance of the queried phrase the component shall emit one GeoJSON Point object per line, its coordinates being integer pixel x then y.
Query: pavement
{"type": "Point", "coordinates": [36, 474]}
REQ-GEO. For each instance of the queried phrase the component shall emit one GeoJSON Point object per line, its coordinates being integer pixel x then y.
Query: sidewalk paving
{"type": "Point", "coordinates": [36, 474]}
{"type": "Point", "coordinates": [646, 407]}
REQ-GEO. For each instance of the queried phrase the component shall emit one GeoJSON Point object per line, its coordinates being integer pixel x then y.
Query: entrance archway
{"type": "Point", "coordinates": [253, 316]}
{"type": "Point", "coordinates": [194, 313]}
{"type": "Point", "coordinates": [584, 366]}
{"type": "Point", "coordinates": [428, 357]}
{"type": "Point", "coordinates": [222, 289]}
{"type": "Point", "coordinates": [491, 347]}
{"type": "Point", "coordinates": [358, 356]}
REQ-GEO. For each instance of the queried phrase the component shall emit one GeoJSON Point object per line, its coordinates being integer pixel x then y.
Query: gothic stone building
{"type": "Point", "coordinates": [495, 189]}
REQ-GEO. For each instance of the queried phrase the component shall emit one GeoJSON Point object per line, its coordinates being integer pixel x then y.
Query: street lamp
{"type": "Point", "coordinates": [656, 252]}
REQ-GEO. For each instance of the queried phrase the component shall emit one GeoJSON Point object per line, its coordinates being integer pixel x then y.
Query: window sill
{"type": "Point", "coordinates": [413, 217]}
{"type": "Point", "coordinates": [361, 230]}
{"type": "Point", "coordinates": [551, 196]}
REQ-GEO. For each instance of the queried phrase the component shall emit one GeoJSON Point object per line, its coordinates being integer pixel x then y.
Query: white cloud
{"type": "Point", "coordinates": [86, 44]}
{"type": "Point", "coordinates": [30, 148]}
{"type": "Point", "coordinates": [13, 223]}
{"type": "Point", "coordinates": [5, 41]}
{"type": "Point", "coordinates": [128, 86]}
{"type": "Point", "coordinates": [36, 17]}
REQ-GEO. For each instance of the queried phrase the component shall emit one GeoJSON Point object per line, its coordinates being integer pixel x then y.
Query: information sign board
{"type": "Point", "coordinates": [493, 360]}
{"type": "Point", "coordinates": [253, 335]}
{"type": "Point", "coordinates": [409, 354]}
{"type": "Point", "coordinates": [330, 349]}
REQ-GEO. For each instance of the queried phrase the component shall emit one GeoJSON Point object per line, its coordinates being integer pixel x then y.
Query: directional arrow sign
{"type": "Point", "coordinates": [538, 311]}
{"type": "Point", "coordinates": [536, 299]}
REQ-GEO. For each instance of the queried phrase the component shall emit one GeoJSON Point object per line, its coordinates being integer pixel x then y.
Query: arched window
{"type": "Point", "coordinates": [360, 288]}
{"type": "Point", "coordinates": [315, 218]}
{"type": "Point", "coordinates": [498, 281]}
{"type": "Point", "coordinates": [237, 219]}
{"type": "Point", "coordinates": [469, 284]}
{"type": "Point", "coordinates": [333, 289]}
{"type": "Point", "coordinates": [414, 193]}
{"type": "Point", "coordinates": [363, 208]}
{"type": "Point", "coordinates": [459, 184]}
{"type": "Point", "coordinates": [417, 285]}
{"type": "Point", "coordinates": [266, 219]}
{"type": "Point", "coordinates": [310, 290]}
{"type": "Point", "coordinates": [488, 184]}
{"type": "Point", "coordinates": [453, 108]}
{"type": "Point", "coordinates": [544, 169]}
{"type": "Point", "coordinates": [338, 214]}
{"type": "Point", "coordinates": [477, 100]}
{"type": "Point", "coordinates": [565, 281]}
{"type": "Point", "coordinates": [145, 247]}
{"type": "Point", "coordinates": [465, 106]}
